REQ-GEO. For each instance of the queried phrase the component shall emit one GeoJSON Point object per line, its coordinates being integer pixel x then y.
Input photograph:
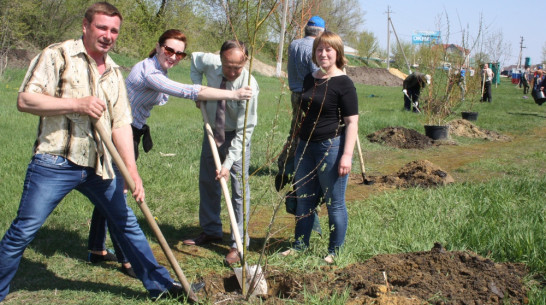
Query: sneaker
{"type": "Point", "coordinates": [202, 239]}
{"type": "Point", "coordinates": [329, 259]}
{"type": "Point", "coordinates": [288, 252]}
{"type": "Point", "coordinates": [97, 258]}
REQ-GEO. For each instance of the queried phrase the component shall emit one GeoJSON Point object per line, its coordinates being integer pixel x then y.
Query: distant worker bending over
{"type": "Point", "coordinates": [412, 86]}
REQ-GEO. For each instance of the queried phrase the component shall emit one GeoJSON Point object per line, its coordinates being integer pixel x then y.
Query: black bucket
{"type": "Point", "coordinates": [469, 116]}
{"type": "Point", "coordinates": [436, 132]}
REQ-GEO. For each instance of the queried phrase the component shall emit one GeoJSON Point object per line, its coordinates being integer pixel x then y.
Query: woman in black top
{"type": "Point", "coordinates": [327, 135]}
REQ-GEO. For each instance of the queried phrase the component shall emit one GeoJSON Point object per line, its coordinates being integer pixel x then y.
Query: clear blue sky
{"type": "Point", "coordinates": [500, 15]}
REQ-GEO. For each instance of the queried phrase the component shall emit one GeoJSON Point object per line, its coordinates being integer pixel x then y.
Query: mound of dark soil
{"type": "Point", "coordinates": [430, 277]}
{"type": "Point", "coordinates": [405, 138]}
{"type": "Point", "coordinates": [422, 173]}
{"type": "Point", "coordinates": [400, 137]}
{"type": "Point", "coordinates": [373, 76]}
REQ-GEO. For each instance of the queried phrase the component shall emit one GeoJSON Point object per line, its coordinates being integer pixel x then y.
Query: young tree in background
{"type": "Point", "coordinates": [12, 29]}
{"type": "Point", "coordinates": [342, 17]}
{"type": "Point", "coordinates": [367, 45]}
{"type": "Point", "coordinates": [495, 46]}
{"type": "Point", "coordinates": [481, 58]}
{"type": "Point", "coordinates": [398, 52]}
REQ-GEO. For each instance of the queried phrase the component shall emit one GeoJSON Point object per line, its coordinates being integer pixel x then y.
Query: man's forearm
{"type": "Point", "coordinates": [44, 105]}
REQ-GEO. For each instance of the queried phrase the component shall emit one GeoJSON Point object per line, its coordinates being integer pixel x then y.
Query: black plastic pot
{"type": "Point", "coordinates": [469, 116]}
{"type": "Point", "coordinates": [437, 132]}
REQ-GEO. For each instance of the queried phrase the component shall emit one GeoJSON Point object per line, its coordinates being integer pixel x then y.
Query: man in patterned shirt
{"type": "Point", "coordinates": [69, 85]}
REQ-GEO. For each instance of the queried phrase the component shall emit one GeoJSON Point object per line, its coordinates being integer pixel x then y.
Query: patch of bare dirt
{"type": "Point", "coordinates": [263, 68]}
{"type": "Point", "coordinates": [400, 137]}
{"type": "Point", "coordinates": [373, 76]}
{"type": "Point", "coordinates": [464, 128]}
{"type": "Point", "coordinates": [438, 277]}
{"type": "Point", "coordinates": [421, 173]}
{"type": "Point", "coordinates": [20, 58]}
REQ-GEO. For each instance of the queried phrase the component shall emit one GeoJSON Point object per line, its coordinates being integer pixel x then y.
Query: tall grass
{"type": "Point", "coordinates": [495, 209]}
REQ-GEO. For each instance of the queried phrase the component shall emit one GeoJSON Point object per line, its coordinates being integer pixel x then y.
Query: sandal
{"type": "Point", "coordinates": [97, 258]}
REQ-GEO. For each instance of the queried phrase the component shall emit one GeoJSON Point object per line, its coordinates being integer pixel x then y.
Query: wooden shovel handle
{"type": "Point", "coordinates": [145, 210]}
{"type": "Point", "coordinates": [361, 158]}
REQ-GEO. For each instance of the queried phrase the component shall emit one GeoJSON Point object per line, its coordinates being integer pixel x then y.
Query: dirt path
{"type": "Point", "coordinates": [448, 157]}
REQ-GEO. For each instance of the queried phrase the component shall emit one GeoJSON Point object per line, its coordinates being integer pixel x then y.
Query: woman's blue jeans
{"type": "Point", "coordinates": [316, 173]}
{"type": "Point", "coordinates": [48, 180]}
{"type": "Point", "coordinates": [97, 236]}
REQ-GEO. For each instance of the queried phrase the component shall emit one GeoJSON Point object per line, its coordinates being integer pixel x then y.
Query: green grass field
{"type": "Point", "coordinates": [496, 207]}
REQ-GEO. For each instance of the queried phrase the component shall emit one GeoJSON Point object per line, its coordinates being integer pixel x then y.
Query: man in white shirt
{"type": "Point", "coordinates": [226, 69]}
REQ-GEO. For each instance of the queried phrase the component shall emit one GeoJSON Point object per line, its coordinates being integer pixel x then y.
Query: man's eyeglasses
{"type": "Point", "coordinates": [169, 52]}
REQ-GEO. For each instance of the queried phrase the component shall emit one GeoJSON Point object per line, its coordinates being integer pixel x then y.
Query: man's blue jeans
{"type": "Point", "coordinates": [316, 166]}
{"type": "Point", "coordinates": [210, 191]}
{"type": "Point", "coordinates": [48, 180]}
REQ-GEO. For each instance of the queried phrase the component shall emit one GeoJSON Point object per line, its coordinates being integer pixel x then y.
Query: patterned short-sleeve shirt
{"type": "Point", "coordinates": [65, 70]}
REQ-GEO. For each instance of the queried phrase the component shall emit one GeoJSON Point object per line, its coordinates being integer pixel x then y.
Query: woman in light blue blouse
{"type": "Point", "coordinates": [148, 85]}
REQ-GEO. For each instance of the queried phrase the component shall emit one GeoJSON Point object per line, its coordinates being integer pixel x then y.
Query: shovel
{"type": "Point", "coordinates": [254, 276]}
{"type": "Point", "coordinates": [362, 169]}
{"type": "Point", "coordinates": [146, 211]}
{"type": "Point", "coordinates": [415, 105]}
{"type": "Point", "coordinates": [483, 85]}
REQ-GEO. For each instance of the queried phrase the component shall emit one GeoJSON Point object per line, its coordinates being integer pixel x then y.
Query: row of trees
{"type": "Point", "coordinates": [484, 44]}
{"type": "Point", "coordinates": [38, 23]}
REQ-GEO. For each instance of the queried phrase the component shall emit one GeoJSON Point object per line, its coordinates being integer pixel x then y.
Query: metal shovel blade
{"type": "Point", "coordinates": [260, 284]}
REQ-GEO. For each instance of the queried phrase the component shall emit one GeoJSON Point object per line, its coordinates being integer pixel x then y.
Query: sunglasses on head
{"type": "Point", "coordinates": [169, 52]}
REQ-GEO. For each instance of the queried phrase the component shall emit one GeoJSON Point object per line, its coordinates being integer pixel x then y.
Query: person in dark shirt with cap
{"type": "Point", "coordinates": [412, 86]}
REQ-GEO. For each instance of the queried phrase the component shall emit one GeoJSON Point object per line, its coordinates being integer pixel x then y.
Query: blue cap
{"type": "Point", "coordinates": [316, 21]}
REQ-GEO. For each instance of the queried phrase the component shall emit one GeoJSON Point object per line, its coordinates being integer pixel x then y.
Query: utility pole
{"type": "Point", "coordinates": [389, 25]}
{"type": "Point", "coordinates": [400, 46]}
{"type": "Point", "coordinates": [388, 37]}
{"type": "Point", "coordinates": [521, 47]}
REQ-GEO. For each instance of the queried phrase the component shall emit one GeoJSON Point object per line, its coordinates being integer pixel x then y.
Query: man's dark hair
{"type": "Point", "coordinates": [232, 44]}
{"type": "Point", "coordinates": [104, 8]}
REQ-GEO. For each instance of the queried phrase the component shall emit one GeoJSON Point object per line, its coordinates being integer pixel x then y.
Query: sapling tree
{"type": "Point", "coordinates": [367, 45]}
{"type": "Point", "coordinates": [444, 62]}
{"type": "Point", "coordinates": [254, 21]}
